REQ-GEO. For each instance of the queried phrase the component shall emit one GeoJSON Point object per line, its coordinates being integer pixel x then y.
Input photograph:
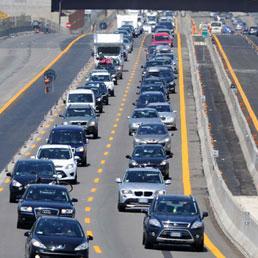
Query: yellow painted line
{"type": "Point", "coordinates": [100, 170]}
{"type": "Point", "coordinates": [119, 114]}
{"type": "Point", "coordinates": [38, 139]}
{"type": "Point", "coordinates": [113, 132]}
{"type": "Point", "coordinates": [108, 145]}
{"type": "Point", "coordinates": [47, 126]}
{"type": "Point", "coordinates": [89, 233]}
{"type": "Point", "coordinates": [117, 119]}
{"type": "Point", "coordinates": [93, 190]}
{"type": "Point", "coordinates": [102, 162]}
{"type": "Point", "coordinates": [97, 249]}
{"type": "Point", "coordinates": [96, 180]}
{"type": "Point", "coordinates": [111, 138]}
{"type": "Point", "coordinates": [121, 109]}
{"type": "Point", "coordinates": [184, 142]}
{"type": "Point", "coordinates": [122, 104]}
{"type": "Point", "coordinates": [7, 180]}
{"type": "Point", "coordinates": [33, 146]}
{"type": "Point", "coordinates": [1, 189]}
{"type": "Point", "coordinates": [106, 153]}
{"type": "Point", "coordinates": [42, 132]}
{"type": "Point", "coordinates": [87, 220]}
{"type": "Point", "coordinates": [90, 199]}
{"type": "Point", "coordinates": [88, 209]}
{"type": "Point", "coordinates": [115, 125]}
{"type": "Point", "coordinates": [236, 81]}
{"type": "Point", "coordinates": [27, 154]}
{"type": "Point", "coordinates": [33, 80]}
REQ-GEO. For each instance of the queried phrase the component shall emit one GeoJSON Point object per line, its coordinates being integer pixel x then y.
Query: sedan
{"type": "Point", "coordinates": [153, 133]}
{"type": "Point", "coordinates": [148, 97]}
{"type": "Point", "coordinates": [57, 237]}
{"type": "Point", "coordinates": [141, 116]}
{"type": "Point", "coordinates": [174, 219]}
{"type": "Point", "coordinates": [139, 186]}
{"type": "Point", "coordinates": [44, 199]}
{"type": "Point", "coordinates": [150, 155]}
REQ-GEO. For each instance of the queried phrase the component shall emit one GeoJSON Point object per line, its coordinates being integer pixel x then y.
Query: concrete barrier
{"type": "Point", "coordinates": [236, 221]}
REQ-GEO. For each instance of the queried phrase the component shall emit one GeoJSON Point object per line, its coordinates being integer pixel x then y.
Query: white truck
{"type": "Point", "coordinates": [150, 22]}
{"type": "Point", "coordinates": [130, 19]}
{"type": "Point", "coordinates": [110, 46]}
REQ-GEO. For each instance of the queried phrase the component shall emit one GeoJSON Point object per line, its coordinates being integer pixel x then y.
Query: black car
{"type": "Point", "coordinates": [102, 87]}
{"type": "Point", "coordinates": [174, 219]}
{"type": "Point", "coordinates": [44, 199]}
{"type": "Point", "coordinates": [149, 97]}
{"type": "Point", "coordinates": [148, 155]}
{"type": "Point", "coordinates": [56, 237]}
{"type": "Point", "coordinates": [98, 96]}
{"type": "Point", "coordinates": [154, 87]}
{"type": "Point", "coordinates": [111, 69]}
{"type": "Point", "coordinates": [30, 171]}
{"type": "Point", "coordinates": [72, 135]}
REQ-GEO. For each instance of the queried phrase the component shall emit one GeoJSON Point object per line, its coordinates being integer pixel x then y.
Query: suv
{"type": "Point", "coordinates": [72, 135]}
{"type": "Point", "coordinates": [174, 219]}
{"type": "Point", "coordinates": [102, 87]}
{"type": "Point", "coordinates": [82, 115]}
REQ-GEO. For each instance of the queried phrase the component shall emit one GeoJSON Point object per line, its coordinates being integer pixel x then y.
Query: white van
{"type": "Point", "coordinates": [81, 96]}
{"type": "Point", "coordinates": [216, 27]}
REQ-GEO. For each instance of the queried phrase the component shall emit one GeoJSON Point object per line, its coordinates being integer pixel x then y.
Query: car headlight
{"type": "Point", "coordinates": [38, 244]}
{"type": "Point", "coordinates": [67, 211]}
{"type": "Point", "coordinates": [98, 99]}
{"type": "Point", "coordinates": [16, 183]}
{"type": "Point", "coordinates": [82, 246]}
{"type": "Point", "coordinates": [134, 163]}
{"type": "Point", "coordinates": [119, 68]}
{"type": "Point", "coordinates": [79, 149]}
{"type": "Point", "coordinates": [172, 83]}
{"type": "Point", "coordinates": [135, 125]}
{"type": "Point", "coordinates": [137, 140]}
{"type": "Point", "coordinates": [160, 192]}
{"type": "Point", "coordinates": [155, 223]}
{"type": "Point", "coordinates": [92, 123]}
{"type": "Point", "coordinates": [65, 123]}
{"type": "Point", "coordinates": [166, 140]}
{"type": "Point", "coordinates": [170, 119]}
{"type": "Point", "coordinates": [126, 191]}
{"type": "Point", "coordinates": [163, 163]}
{"type": "Point", "coordinates": [197, 224]}
{"type": "Point", "coordinates": [69, 166]}
{"type": "Point", "coordinates": [26, 208]}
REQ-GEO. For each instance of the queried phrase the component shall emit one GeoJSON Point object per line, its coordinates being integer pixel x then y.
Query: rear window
{"type": "Point", "coordinates": [80, 98]}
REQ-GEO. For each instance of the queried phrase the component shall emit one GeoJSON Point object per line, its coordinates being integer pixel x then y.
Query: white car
{"type": "Point", "coordinates": [103, 76]}
{"type": "Point", "coordinates": [81, 96]}
{"type": "Point", "coordinates": [63, 158]}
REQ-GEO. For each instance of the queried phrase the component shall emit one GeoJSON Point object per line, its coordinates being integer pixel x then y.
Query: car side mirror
{"type": "Point", "coordinates": [141, 66]}
{"type": "Point", "coordinates": [145, 210]}
{"type": "Point", "coordinates": [33, 157]}
{"type": "Point", "coordinates": [118, 180]}
{"type": "Point", "coordinates": [174, 111]}
{"type": "Point", "coordinates": [133, 104]}
{"type": "Point", "coordinates": [114, 79]}
{"type": "Point", "coordinates": [168, 182]}
{"type": "Point", "coordinates": [205, 214]}
{"type": "Point", "coordinates": [64, 101]}
{"type": "Point", "coordinates": [46, 140]}
{"type": "Point", "coordinates": [9, 174]}
{"type": "Point", "coordinates": [128, 156]}
{"type": "Point", "coordinates": [89, 238]}
{"type": "Point", "coordinates": [172, 134]}
{"type": "Point", "coordinates": [74, 200]}
{"type": "Point", "coordinates": [138, 87]}
{"type": "Point", "coordinates": [87, 140]}
{"type": "Point", "coordinates": [128, 117]}
{"type": "Point", "coordinates": [27, 233]}
{"type": "Point", "coordinates": [170, 155]}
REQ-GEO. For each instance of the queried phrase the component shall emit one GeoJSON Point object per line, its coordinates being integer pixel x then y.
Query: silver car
{"type": "Point", "coordinates": [166, 113]}
{"type": "Point", "coordinates": [141, 116]}
{"type": "Point", "coordinates": [153, 133]}
{"type": "Point", "coordinates": [139, 186]}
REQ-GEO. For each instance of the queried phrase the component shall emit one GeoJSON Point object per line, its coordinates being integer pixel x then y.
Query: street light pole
{"type": "Point", "coordinates": [60, 13]}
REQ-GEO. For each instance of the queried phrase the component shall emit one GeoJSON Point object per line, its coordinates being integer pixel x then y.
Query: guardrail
{"type": "Point", "coordinates": [238, 224]}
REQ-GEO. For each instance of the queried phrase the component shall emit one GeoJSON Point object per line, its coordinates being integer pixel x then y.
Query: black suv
{"type": "Point", "coordinates": [174, 219]}
{"type": "Point", "coordinates": [72, 135]}
{"type": "Point", "coordinates": [30, 171]}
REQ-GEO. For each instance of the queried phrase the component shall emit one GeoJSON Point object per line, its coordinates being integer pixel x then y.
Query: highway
{"type": "Point", "coordinates": [116, 235]}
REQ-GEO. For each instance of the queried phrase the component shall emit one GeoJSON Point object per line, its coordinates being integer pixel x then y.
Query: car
{"type": "Point", "coordinates": [128, 45]}
{"type": "Point", "coordinates": [174, 219]}
{"type": "Point", "coordinates": [150, 155]}
{"type": "Point", "coordinates": [167, 24]}
{"type": "Point", "coordinates": [166, 113]}
{"type": "Point", "coordinates": [73, 135]}
{"type": "Point", "coordinates": [153, 133]}
{"type": "Point", "coordinates": [154, 87]}
{"type": "Point", "coordinates": [162, 38]}
{"type": "Point", "coordinates": [110, 67]}
{"type": "Point", "coordinates": [44, 199]}
{"type": "Point", "coordinates": [30, 171]}
{"type": "Point", "coordinates": [163, 29]}
{"type": "Point", "coordinates": [148, 97]}
{"type": "Point", "coordinates": [141, 116]}
{"type": "Point", "coordinates": [253, 30]}
{"type": "Point", "coordinates": [82, 115]}
{"type": "Point", "coordinates": [63, 158]}
{"type": "Point", "coordinates": [56, 237]}
{"type": "Point", "coordinates": [102, 87]}
{"type": "Point", "coordinates": [103, 76]}
{"type": "Point", "coordinates": [80, 96]}
{"type": "Point", "coordinates": [139, 186]}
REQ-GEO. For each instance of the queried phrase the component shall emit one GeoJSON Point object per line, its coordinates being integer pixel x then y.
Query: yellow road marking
{"type": "Point", "coordinates": [119, 114]}
{"type": "Point", "coordinates": [238, 84]}
{"type": "Point", "coordinates": [93, 190]}
{"type": "Point", "coordinates": [113, 132]}
{"type": "Point", "coordinates": [108, 145]}
{"type": "Point", "coordinates": [88, 209]}
{"type": "Point", "coordinates": [111, 138]}
{"type": "Point", "coordinates": [90, 198]}
{"type": "Point", "coordinates": [96, 180]}
{"type": "Point", "coordinates": [97, 249]}
{"type": "Point", "coordinates": [27, 154]}
{"type": "Point", "coordinates": [117, 119]}
{"type": "Point", "coordinates": [106, 153]}
{"type": "Point", "coordinates": [184, 142]}
{"type": "Point", "coordinates": [42, 132]}
{"type": "Point", "coordinates": [121, 109]}
{"type": "Point", "coordinates": [100, 170]}
{"type": "Point", "coordinates": [7, 180]}
{"type": "Point", "coordinates": [102, 161]}
{"type": "Point", "coordinates": [115, 125]}
{"type": "Point", "coordinates": [89, 233]}
{"type": "Point", "coordinates": [1, 189]}
{"type": "Point", "coordinates": [32, 81]}
{"type": "Point", "coordinates": [33, 146]}
{"type": "Point", "coordinates": [38, 139]}
{"type": "Point", "coordinates": [87, 220]}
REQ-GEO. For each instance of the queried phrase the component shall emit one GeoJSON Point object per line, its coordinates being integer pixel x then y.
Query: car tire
{"type": "Point", "coordinates": [121, 76]}
{"type": "Point", "coordinates": [116, 82]}
{"type": "Point", "coordinates": [166, 177]}
{"type": "Point", "coordinates": [120, 207]}
{"type": "Point", "coordinates": [147, 243]}
{"type": "Point", "coordinates": [19, 224]}
{"type": "Point", "coordinates": [130, 133]}
{"type": "Point", "coordinates": [96, 134]}
{"type": "Point", "coordinates": [101, 110]}
{"type": "Point", "coordinates": [12, 198]}
{"type": "Point", "coordinates": [107, 101]}
{"type": "Point", "coordinates": [112, 93]}
{"type": "Point", "coordinates": [199, 246]}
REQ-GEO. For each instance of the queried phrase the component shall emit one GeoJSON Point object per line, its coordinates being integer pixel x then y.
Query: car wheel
{"type": "Point", "coordinates": [19, 224]}
{"type": "Point", "coordinates": [166, 177]}
{"type": "Point", "coordinates": [107, 101]}
{"type": "Point", "coordinates": [121, 76]}
{"type": "Point", "coordinates": [147, 243]}
{"type": "Point", "coordinates": [75, 181]}
{"type": "Point", "coordinates": [112, 93]}
{"type": "Point", "coordinates": [130, 133]}
{"type": "Point", "coordinates": [101, 109]}
{"type": "Point", "coordinates": [120, 207]}
{"type": "Point", "coordinates": [199, 246]}
{"type": "Point", "coordinates": [116, 82]}
{"type": "Point", "coordinates": [12, 198]}
{"type": "Point", "coordinates": [96, 134]}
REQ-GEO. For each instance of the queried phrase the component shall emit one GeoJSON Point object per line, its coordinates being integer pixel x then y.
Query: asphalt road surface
{"type": "Point", "coordinates": [116, 235]}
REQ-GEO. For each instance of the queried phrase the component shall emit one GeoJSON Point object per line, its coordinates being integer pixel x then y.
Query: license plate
{"type": "Point", "coordinates": [143, 200]}
{"type": "Point", "coordinates": [175, 234]}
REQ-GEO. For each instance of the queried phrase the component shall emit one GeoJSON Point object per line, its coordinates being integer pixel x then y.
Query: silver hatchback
{"type": "Point", "coordinates": [139, 186]}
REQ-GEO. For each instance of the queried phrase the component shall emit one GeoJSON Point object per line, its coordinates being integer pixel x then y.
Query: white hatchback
{"type": "Point", "coordinates": [63, 158]}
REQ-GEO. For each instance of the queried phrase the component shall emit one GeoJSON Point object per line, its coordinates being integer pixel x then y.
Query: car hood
{"type": "Point", "coordinates": [57, 205]}
{"type": "Point", "coordinates": [31, 179]}
{"type": "Point", "coordinates": [152, 137]}
{"type": "Point", "coordinates": [150, 160]}
{"type": "Point", "coordinates": [142, 186]}
{"type": "Point", "coordinates": [172, 218]}
{"type": "Point", "coordinates": [78, 119]}
{"type": "Point", "coordinates": [56, 243]}
{"type": "Point", "coordinates": [62, 162]}
{"type": "Point", "coordinates": [144, 120]}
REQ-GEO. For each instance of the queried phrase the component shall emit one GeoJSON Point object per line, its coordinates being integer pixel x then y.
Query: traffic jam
{"type": "Point", "coordinates": [42, 185]}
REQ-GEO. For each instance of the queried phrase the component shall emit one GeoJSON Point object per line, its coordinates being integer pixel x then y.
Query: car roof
{"type": "Point", "coordinates": [144, 169]}
{"type": "Point", "coordinates": [159, 104]}
{"type": "Point", "coordinates": [35, 161]}
{"type": "Point", "coordinates": [67, 128]}
{"type": "Point", "coordinates": [56, 146]}
{"type": "Point", "coordinates": [58, 218]}
{"type": "Point", "coordinates": [80, 91]}
{"type": "Point", "coordinates": [156, 145]}
{"type": "Point", "coordinates": [161, 34]}
{"type": "Point", "coordinates": [48, 185]}
{"type": "Point", "coordinates": [145, 109]}
{"type": "Point", "coordinates": [79, 106]}
{"type": "Point", "coordinates": [100, 72]}
{"type": "Point", "coordinates": [153, 123]}
{"type": "Point", "coordinates": [152, 93]}
{"type": "Point", "coordinates": [177, 197]}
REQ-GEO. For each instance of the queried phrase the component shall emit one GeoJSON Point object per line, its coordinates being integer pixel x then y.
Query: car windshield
{"type": "Point", "coordinates": [29, 168]}
{"type": "Point", "coordinates": [66, 137]}
{"type": "Point", "coordinates": [80, 98]}
{"type": "Point", "coordinates": [162, 108]}
{"type": "Point", "coordinates": [108, 67]}
{"type": "Point", "coordinates": [157, 129]}
{"type": "Point", "coordinates": [101, 78]}
{"type": "Point", "coordinates": [162, 37]}
{"type": "Point", "coordinates": [168, 25]}
{"type": "Point", "coordinates": [151, 18]}
{"type": "Point", "coordinates": [152, 88]}
{"type": "Point", "coordinates": [46, 194]}
{"type": "Point", "coordinates": [176, 207]}
{"type": "Point", "coordinates": [148, 152]}
{"type": "Point", "coordinates": [154, 63]}
{"type": "Point", "coordinates": [82, 112]}
{"type": "Point", "coordinates": [147, 177]}
{"type": "Point", "coordinates": [58, 228]}
{"type": "Point", "coordinates": [109, 50]}
{"type": "Point", "coordinates": [54, 153]}
{"type": "Point", "coordinates": [145, 114]}
{"type": "Point", "coordinates": [151, 98]}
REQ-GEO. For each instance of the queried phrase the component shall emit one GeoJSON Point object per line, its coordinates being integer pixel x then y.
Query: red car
{"type": "Point", "coordinates": [161, 39]}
